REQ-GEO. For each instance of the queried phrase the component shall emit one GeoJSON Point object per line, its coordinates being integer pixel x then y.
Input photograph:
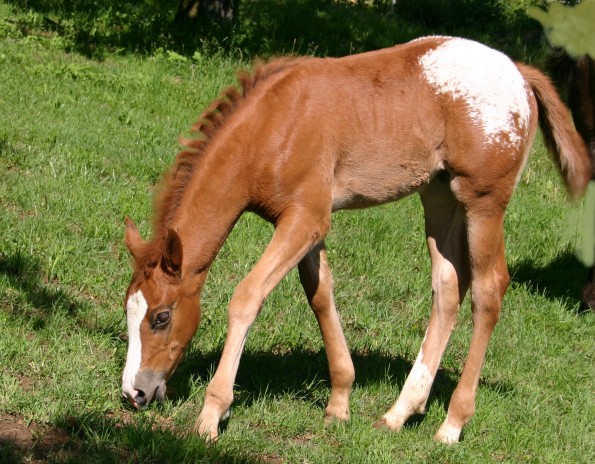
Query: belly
{"type": "Point", "coordinates": [376, 185]}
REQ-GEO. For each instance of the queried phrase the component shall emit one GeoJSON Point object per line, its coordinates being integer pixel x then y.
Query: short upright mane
{"type": "Point", "coordinates": [178, 177]}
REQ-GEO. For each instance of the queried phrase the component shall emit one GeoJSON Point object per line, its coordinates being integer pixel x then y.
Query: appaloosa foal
{"type": "Point", "coordinates": [447, 118]}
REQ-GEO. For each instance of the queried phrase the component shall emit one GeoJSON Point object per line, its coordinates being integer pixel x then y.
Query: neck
{"type": "Point", "coordinates": [214, 200]}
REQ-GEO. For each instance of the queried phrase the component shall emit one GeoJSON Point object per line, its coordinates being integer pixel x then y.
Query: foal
{"type": "Point", "coordinates": [444, 117]}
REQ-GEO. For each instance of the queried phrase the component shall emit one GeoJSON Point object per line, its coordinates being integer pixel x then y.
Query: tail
{"type": "Point", "coordinates": [561, 139]}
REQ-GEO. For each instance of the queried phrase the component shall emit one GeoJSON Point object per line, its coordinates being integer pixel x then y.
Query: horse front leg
{"type": "Point", "coordinates": [317, 280]}
{"type": "Point", "coordinates": [295, 234]}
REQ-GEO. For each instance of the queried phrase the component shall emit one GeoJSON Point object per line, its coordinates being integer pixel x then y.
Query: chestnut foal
{"type": "Point", "coordinates": [445, 117]}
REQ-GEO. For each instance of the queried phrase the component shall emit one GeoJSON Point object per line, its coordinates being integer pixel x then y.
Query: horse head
{"type": "Point", "coordinates": [162, 313]}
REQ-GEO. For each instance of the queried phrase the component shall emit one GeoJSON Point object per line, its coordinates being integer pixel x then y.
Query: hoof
{"type": "Point", "coordinates": [207, 431]}
{"type": "Point", "coordinates": [332, 419]}
{"type": "Point", "coordinates": [386, 423]}
{"type": "Point", "coordinates": [381, 425]}
{"type": "Point", "coordinates": [336, 414]}
{"type": "Point", "coordinates": [207, 425]}
{"type": "Point", "coordinates": [448, 434]}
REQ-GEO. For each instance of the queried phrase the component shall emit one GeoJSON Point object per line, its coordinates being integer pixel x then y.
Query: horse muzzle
{"type": "Point", "coordinates": [148, 385]}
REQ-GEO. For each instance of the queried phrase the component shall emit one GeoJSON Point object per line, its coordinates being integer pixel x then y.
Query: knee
{"type": "Point", "coordinates": [347, 373]}
{"type": "Point", "coordinates": [486, 310]}
{"type": "Point", "coordinates": [322, 299]}
{"type": "Point", "coordinates": [447, 278]}
{"type": "Point", "coordinates": [245, 303]}
{"type": "Point", "coordinates": [445, 285]}
{"type": "Point", "coordinates": [317, 281]}
{"type": "Point", "coordinates": [503, 280]}
{"type": "Point", "coordinates": [487, 301]}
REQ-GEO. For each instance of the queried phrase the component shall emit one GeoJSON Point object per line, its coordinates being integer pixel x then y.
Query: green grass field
{"type": "Point", "coordinates": [84, 141]}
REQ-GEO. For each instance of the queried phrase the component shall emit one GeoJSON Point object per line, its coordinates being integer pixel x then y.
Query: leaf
{"type": "Point", "coordinates": [569, 27]}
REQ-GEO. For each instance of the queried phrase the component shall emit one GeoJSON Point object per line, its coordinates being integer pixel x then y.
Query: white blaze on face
{"type": "Point", "coordinates": [136, 308]}
{"type": "Point", "coordinates": [486, 80]}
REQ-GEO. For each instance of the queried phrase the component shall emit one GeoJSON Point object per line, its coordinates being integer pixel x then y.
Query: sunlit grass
{"type": "Point", "coordinates": [82, 144]}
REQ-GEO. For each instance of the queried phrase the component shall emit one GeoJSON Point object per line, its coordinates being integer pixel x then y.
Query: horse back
{"type": "Point", "coordinates": [374, 127]}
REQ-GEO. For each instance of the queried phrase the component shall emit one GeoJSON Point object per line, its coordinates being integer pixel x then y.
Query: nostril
{"type": "Point", "coordinates": [140, 398]}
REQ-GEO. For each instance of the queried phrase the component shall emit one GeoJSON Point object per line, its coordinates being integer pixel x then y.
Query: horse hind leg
{"type": "Point", "coordinates": [446, 240]}
{"type": "Point", "coordinates": [489, 281]}
{"type": "Point", "coordinates": [317, 280]}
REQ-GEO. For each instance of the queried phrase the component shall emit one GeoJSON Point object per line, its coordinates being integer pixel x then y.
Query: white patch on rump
{"type": "Point", "coordinates": [488, 82]}
{"type": "Point", "coordinates": [136, 309]}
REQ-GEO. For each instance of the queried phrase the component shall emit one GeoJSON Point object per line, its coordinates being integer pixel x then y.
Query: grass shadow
{"type": "Point", "coordinates": [39, 297]}
{"type": "Point", "coordinates": [300, 374]}
{"type": "Point", "coordinates": [32, 295]}
{"type": "Point", "coordinates": [561, 279]}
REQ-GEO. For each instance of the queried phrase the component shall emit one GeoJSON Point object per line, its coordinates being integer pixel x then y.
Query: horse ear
{"type": "Point", "coordinates": [132, 238]}
{"type": "Point", "coordinates": [171, 261]}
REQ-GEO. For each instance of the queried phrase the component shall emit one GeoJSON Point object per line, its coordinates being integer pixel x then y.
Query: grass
{"type": "Point", "coordinates": [82, 143]}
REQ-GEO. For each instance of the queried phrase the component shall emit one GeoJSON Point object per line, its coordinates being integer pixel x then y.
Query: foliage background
{"type": "Point", "coordinates": [266, 27]}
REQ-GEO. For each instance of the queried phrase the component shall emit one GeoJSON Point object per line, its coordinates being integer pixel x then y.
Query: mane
{"type": "Point", "coordinates": [175, 181]}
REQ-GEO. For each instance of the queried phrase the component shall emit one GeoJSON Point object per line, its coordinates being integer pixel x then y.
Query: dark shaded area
{"type": "Point", "coordinates": [73, 439]}
{"type": "Point", "coordinates": [259, 27]}
{"type": "Point", "coordinates": [24, 273]}
{"type": "Point", "coordinates": [31, 442]}
{"type": "Point", "coordinates": [300, 372]}
{"type": "Point", "coordinates": [561, 279]}
{"type": "Point", "coordinates": [39, 298]}
{"type": "Point", "coordinates": [221, 11]}
{"type": "Point", "coordinates": [455, 13]}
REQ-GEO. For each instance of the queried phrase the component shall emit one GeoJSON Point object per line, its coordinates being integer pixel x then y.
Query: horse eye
{"type": "Point", "coordinates": [162, 318]}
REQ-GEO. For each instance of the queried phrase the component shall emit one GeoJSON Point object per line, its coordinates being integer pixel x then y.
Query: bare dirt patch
{"type": "Point", "coordinates": [26, 383]}
{"type": "Point", "coordinates": [32, 442]}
